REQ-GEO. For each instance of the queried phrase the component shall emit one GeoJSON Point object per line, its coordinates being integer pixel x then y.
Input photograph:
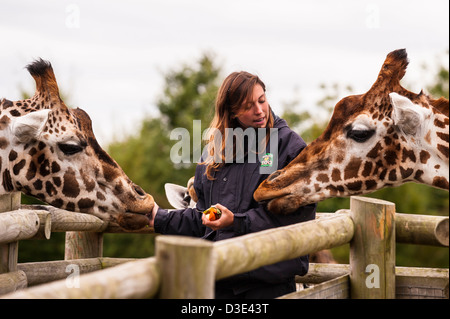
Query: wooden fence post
{"type": "Point", "coordinates": [80, 245]}
{"type": "Point", "coordinates": [187, 266]}
{"type": "Point", "coordinates": [8, 252]}
{"type": "Point", "coordinates": [372, 249]}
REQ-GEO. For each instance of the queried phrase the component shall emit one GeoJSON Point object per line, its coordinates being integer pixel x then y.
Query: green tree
{"type": "Point", "coordinates": [189, 93]}
{"type": "Point", "coordinates": [311, 124]}
{"type": "Point", "coordinates": [439, 87]}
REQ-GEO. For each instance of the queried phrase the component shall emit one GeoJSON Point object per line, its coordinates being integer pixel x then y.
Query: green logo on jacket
{"type": "Point", "coordinates": [267, 160]}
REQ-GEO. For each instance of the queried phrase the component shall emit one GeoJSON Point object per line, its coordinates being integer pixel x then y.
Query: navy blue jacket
{"type": "Point", "coordinates": [233, 187]}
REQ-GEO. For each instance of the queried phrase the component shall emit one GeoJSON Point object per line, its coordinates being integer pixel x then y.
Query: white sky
{"type": "Point", "coordinates": [109, 56]}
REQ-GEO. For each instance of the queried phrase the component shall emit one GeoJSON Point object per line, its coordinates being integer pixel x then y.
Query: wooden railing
{"type": "Point", "coordinates": [185, 267]}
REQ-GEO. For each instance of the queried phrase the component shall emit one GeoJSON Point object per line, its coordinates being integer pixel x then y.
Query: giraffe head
{"type": "Point", "coordinates": [385, 137]}
{"type": "Point", "coordinates": [50, 152]}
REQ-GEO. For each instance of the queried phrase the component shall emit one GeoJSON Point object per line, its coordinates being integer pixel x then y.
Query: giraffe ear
{"type": "Point", "coordinates": [176, 195]}
{"type": "Point", "coordinates": [406, 115]}
{"type": "Point", "coordinates": [28, 127]}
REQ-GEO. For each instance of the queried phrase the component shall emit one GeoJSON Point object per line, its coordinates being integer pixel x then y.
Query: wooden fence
{"type": "Point", "coordinates": [185, 267]}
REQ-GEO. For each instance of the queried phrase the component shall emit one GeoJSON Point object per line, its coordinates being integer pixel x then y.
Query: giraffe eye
{"type": "Point", "coordinates": [360, 136]}
{"type": "Point", "coordinates": [70, 149]}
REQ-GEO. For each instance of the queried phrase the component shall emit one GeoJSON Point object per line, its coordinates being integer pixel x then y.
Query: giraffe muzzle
{"type": "Point", "coordinates": [272, 187]}
{"type": "Point", "coordinates": [138, 211]}
{"type": "Point", "coordinates": [133, 222]}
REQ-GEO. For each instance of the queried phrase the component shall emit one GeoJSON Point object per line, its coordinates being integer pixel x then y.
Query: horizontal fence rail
{"type": "Point", "coordinates": [18, 225]}
{"type": "Point", "coordinates": [134, 279]}
{"type": "Point", "coordinates": [421, 229]}
{"type": "Point", "coordinates": [188, 267]}
{"type": "Point", "coordinates": [48, 271]}
{"type": "Point", "coordinates": [63, 221]}
{"type": "Point", "coordinates": [245, 253]}
{"type": "Point", "coordinates": [410, 282]}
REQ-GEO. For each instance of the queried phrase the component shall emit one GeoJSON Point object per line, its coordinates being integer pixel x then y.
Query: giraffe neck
{"type": "Point", "coordinates": [433, 158]}
{"type": "Point", "coordinates": [7, 111]}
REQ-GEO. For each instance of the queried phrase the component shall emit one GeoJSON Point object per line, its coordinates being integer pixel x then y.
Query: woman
{"type": "Point", "coordinates": [230, 182]}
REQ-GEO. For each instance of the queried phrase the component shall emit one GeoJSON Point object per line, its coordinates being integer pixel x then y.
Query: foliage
{"type": "Point", "coordinates": [189, 93]}
{"type": "Point", "coordinates": [439, 87]}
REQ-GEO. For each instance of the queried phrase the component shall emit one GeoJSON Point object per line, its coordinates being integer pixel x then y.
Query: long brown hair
{"type": "Point", "coordinates": [232, 98]}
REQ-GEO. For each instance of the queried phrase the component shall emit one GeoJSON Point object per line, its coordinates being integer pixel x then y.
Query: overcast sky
{"type": "Point", "coordinates": [109, 56]}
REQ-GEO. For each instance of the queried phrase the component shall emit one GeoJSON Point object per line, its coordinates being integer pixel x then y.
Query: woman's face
{"type": "Point", "coordinates": [255, 112]}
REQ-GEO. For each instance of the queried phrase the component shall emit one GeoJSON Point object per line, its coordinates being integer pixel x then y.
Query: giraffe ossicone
{"type": "Point", "coordinates": [49, 151]}
{"type": "Point", "coordinates": [383, 138]}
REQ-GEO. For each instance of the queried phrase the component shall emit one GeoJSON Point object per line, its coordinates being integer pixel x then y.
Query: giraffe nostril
{"type": "Point", "coordinates": [139, 190]}
{"type": "Point", "coordinates": [274, 175]}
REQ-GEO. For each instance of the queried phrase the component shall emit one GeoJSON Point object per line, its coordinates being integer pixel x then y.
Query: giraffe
{"type": "Point", "coordinates": [383, 138]}
{"type": "Point", "coordinates": [49, 151]}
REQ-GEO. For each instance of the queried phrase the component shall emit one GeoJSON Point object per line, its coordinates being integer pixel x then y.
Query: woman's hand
{"type": "Point", "coordinates": [152, 215]}
{"type": "Point", "coordinates": [225, 220]}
